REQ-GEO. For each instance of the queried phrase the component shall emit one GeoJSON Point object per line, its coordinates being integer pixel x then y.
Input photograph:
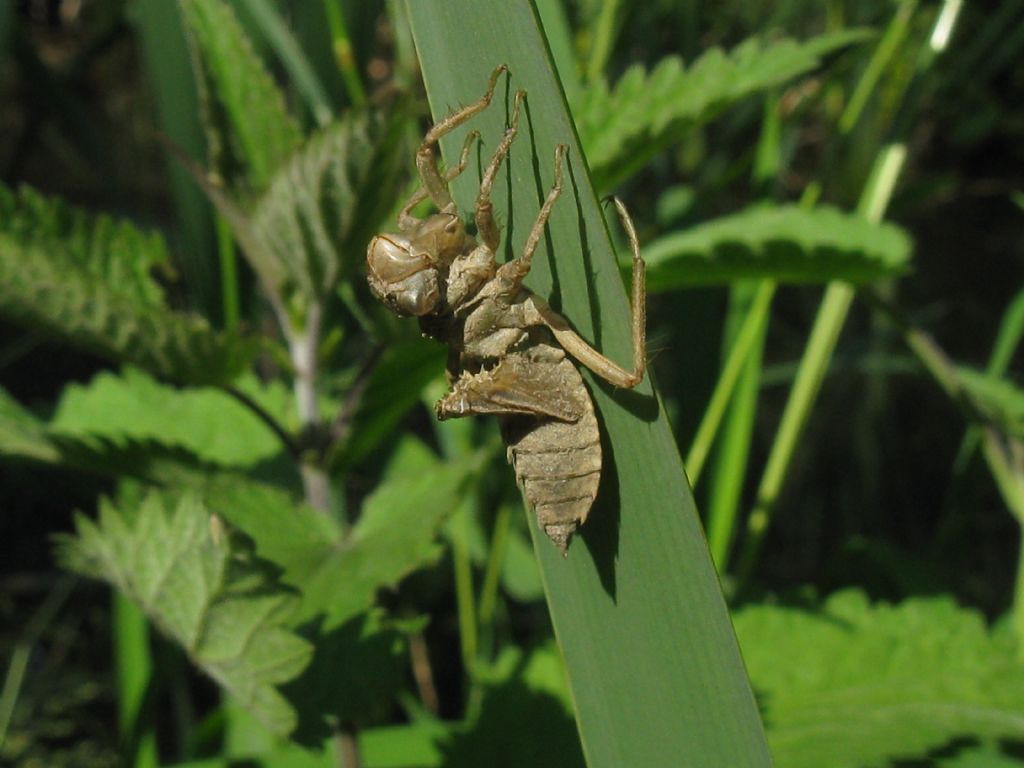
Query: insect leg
{"type": "Point", "coordinates": [406, 221]}
{"type": "Point", "coordinates": [484, 212]}
{"type": "Point", "coordinates": [514, 271]}
{"type": "Point", "coordinates": [571, 341]}
{"type": "Point", "coordinates": [426, 159]}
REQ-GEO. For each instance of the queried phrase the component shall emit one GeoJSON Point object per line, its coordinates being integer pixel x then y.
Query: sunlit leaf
{"type": "Point", "coordinates": [788, 244]}
{"type": "Point", "coordinates": [859, 685]}
{"type": "Point", "coordinates": [623, 127]}
{"type": "Point", "coordinates": [86, 280]}
{"type": "Point", "coordinates": [204, 591]}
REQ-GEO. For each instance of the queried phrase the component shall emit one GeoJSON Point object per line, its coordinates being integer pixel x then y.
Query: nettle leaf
{"type": "Point", "coordinates": [209, 423]}
{"type": "Point", "coordinates": [85, 280]}
{"type": "Point", "coordinates": [325, 203]}
{"type": "Point", "coordinates": [22, 435]}
{"type": "Point", "coordinates": [26, 437]}
{"type": "Point", "coordinates": [787, 243]}
{"type": "Point", "coordinates": [339, 575]}
{"type": "Point", "coordinates": [621, 129]}
{"type": "Point", "coordinates": [859, 685]}
{"type": "Point", "coordinates": [249, 131]}
{"type": "Point", "coordinates": [998, 400]}
{"type": "Point", "coordinates": [205, 592]}
{"type": "Point", "coordinates": [114, 252]}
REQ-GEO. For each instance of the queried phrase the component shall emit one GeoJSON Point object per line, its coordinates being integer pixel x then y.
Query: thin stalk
{"type": "Point", "coordinates": [134, 676]}
{"type": "Point", "coordinates": [464, 585]}
{"type": "Point", "coordinates": [17, 668]}
{"type": "Point", "coordinates": [733, 451]}
{"type": "Point", "coordinates": [1003, 454]}
{"type": "Point", "coordinates": [304, 348]}
{"type": "Point", "coordinates": [422, 674]}
{"type": "Point", "coordinates": [603, 39]}
{"type": "Point", "coordinates": [347, 748]}
{"type": "Point", "coordinates": [343, 53]}
{"type": "Point", "coordinates": [748, 334]}
{"type": "Point", "coordinates": [895, 35]}
{"type": "Point", "coordinates": [228, 274]}
{"type": "Point", "coordinates": [1018, 601]}
{"type": "Point", "coordinates": [265, 416]}
{"type": "Point", "coordinates": [495, 561]}
{"type": "Point", "coordinates": [813, 366]}
{"type": "Point", "coordinates": [1011, 330]}
{"type": "Point", "coordinates": [288, 50]}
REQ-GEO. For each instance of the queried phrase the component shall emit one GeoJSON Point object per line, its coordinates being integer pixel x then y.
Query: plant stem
{"type": "Point", "coordinates": [347, 744]}
{"type": "Point", "coordinates": [894, 36]}
{"type": "Point", "coordinates": [273, 424]}
{"type": "Point", "coordinates": [813, 366]}
{"type": "Point", "coordinates": [228, 274]}
{"type": "Point", "coordinates": [304, 348]}
{"type": "Point", "coordinates": [288, 50]}
{"type": "Point", "coordinates": [18, 665]}
{"type": "Point", "coordinates": [464, 584]}
{"type": "Point", "coordinates": [343, 54]}
{"type": "Point", "coordinates": [134, 677]}
{"type": "Point", "coordinates": [748, 334]}
{"type": "Point", "coordinates": [495, 561]}
{"type": "Point", "coordinates": [733, 450]}
{"type": "Point", "coordinates": [602, 40]}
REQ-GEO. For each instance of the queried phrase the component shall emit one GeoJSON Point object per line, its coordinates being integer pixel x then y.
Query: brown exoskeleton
{"type": "Point", "coordinates": [507, 347]}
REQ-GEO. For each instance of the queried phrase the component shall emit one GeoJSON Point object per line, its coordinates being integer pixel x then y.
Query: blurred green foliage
{"type": "Point", "coordinates": [279, 483]}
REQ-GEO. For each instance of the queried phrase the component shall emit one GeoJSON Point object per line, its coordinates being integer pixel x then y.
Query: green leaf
{"type": "Point", "coordinates": [249, 132]}
{"type": "Point", "coordinates": [329, 198]}
{"type": "Point", "coordinates": [396, 387]}
{"type": "Point", "coordinates": [996, 399]}
{"type": "Point", "coordinates": [22, 435]}
{"type": "Point", "coordinates": [652, 662]}
{"type": "Point", "coordinates": [107, 250]}
{"type": "Point", "coordinates": [623, 128]}
{"type": "Point", "coordinates": [339, 575]}
{"type": "Point", "coordinates": [87, 280]}
{"type": "Point", "coordinates": [209, 423]}
{"type": "Point", "coordinates": [523, 694]}
{"type": "Point", "coordinates": [205, 592]}
{"type": "Point", "coordinates": [855, 684]}
{"type": "Point", "coordinates": [788, 244]}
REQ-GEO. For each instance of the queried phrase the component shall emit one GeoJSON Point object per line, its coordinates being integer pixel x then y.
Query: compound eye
{"type": "Point", "coordinates": [390, 259]}
{"type": "Point", "coordinates": [418, 295]}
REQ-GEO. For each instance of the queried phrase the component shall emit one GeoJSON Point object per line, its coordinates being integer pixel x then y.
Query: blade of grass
{"type": "Point", "coordinates": [134, 676]}
{"type": "Point", "coordinates": [733, 451]}
{"type": "Point", "coordinates": [18, 665]}
{"type": "Point", "coordinates": [828, 324]}
{"type": "Point", "coordinates": [287, 50]}
{"type": "Point", "coordinates": [750, 331]}
{"type": "Point", "coordinates": [652, 661]}
{"type": "Point", "coordinates": [1011, 330]}
{"type": "Point", "coordinates": [343, 53]}
{"type": "Point", "coordinates": [169, 70]}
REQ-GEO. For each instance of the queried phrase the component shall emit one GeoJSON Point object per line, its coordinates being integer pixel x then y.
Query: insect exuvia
{"type": "Point", "coordinates": [508, 351]}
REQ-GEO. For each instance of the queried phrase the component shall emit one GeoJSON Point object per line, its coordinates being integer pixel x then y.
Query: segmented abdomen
{"type": "Point", "coordinates": [557, 463]}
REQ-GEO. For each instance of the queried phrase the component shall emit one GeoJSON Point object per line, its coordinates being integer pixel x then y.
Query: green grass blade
{"type": "Point", "coordinates": [134, 674]}
{"type": "Point", "coordinates": [653, 665]}
{"type": "Point", "coordinates": [746, 338]}
{"type": "Point", "coordinates": [1011, 331]}
{"type": "Point", "coordinates": [292, 57]}
{"type": "Point", "coordinates": [169, 72]}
